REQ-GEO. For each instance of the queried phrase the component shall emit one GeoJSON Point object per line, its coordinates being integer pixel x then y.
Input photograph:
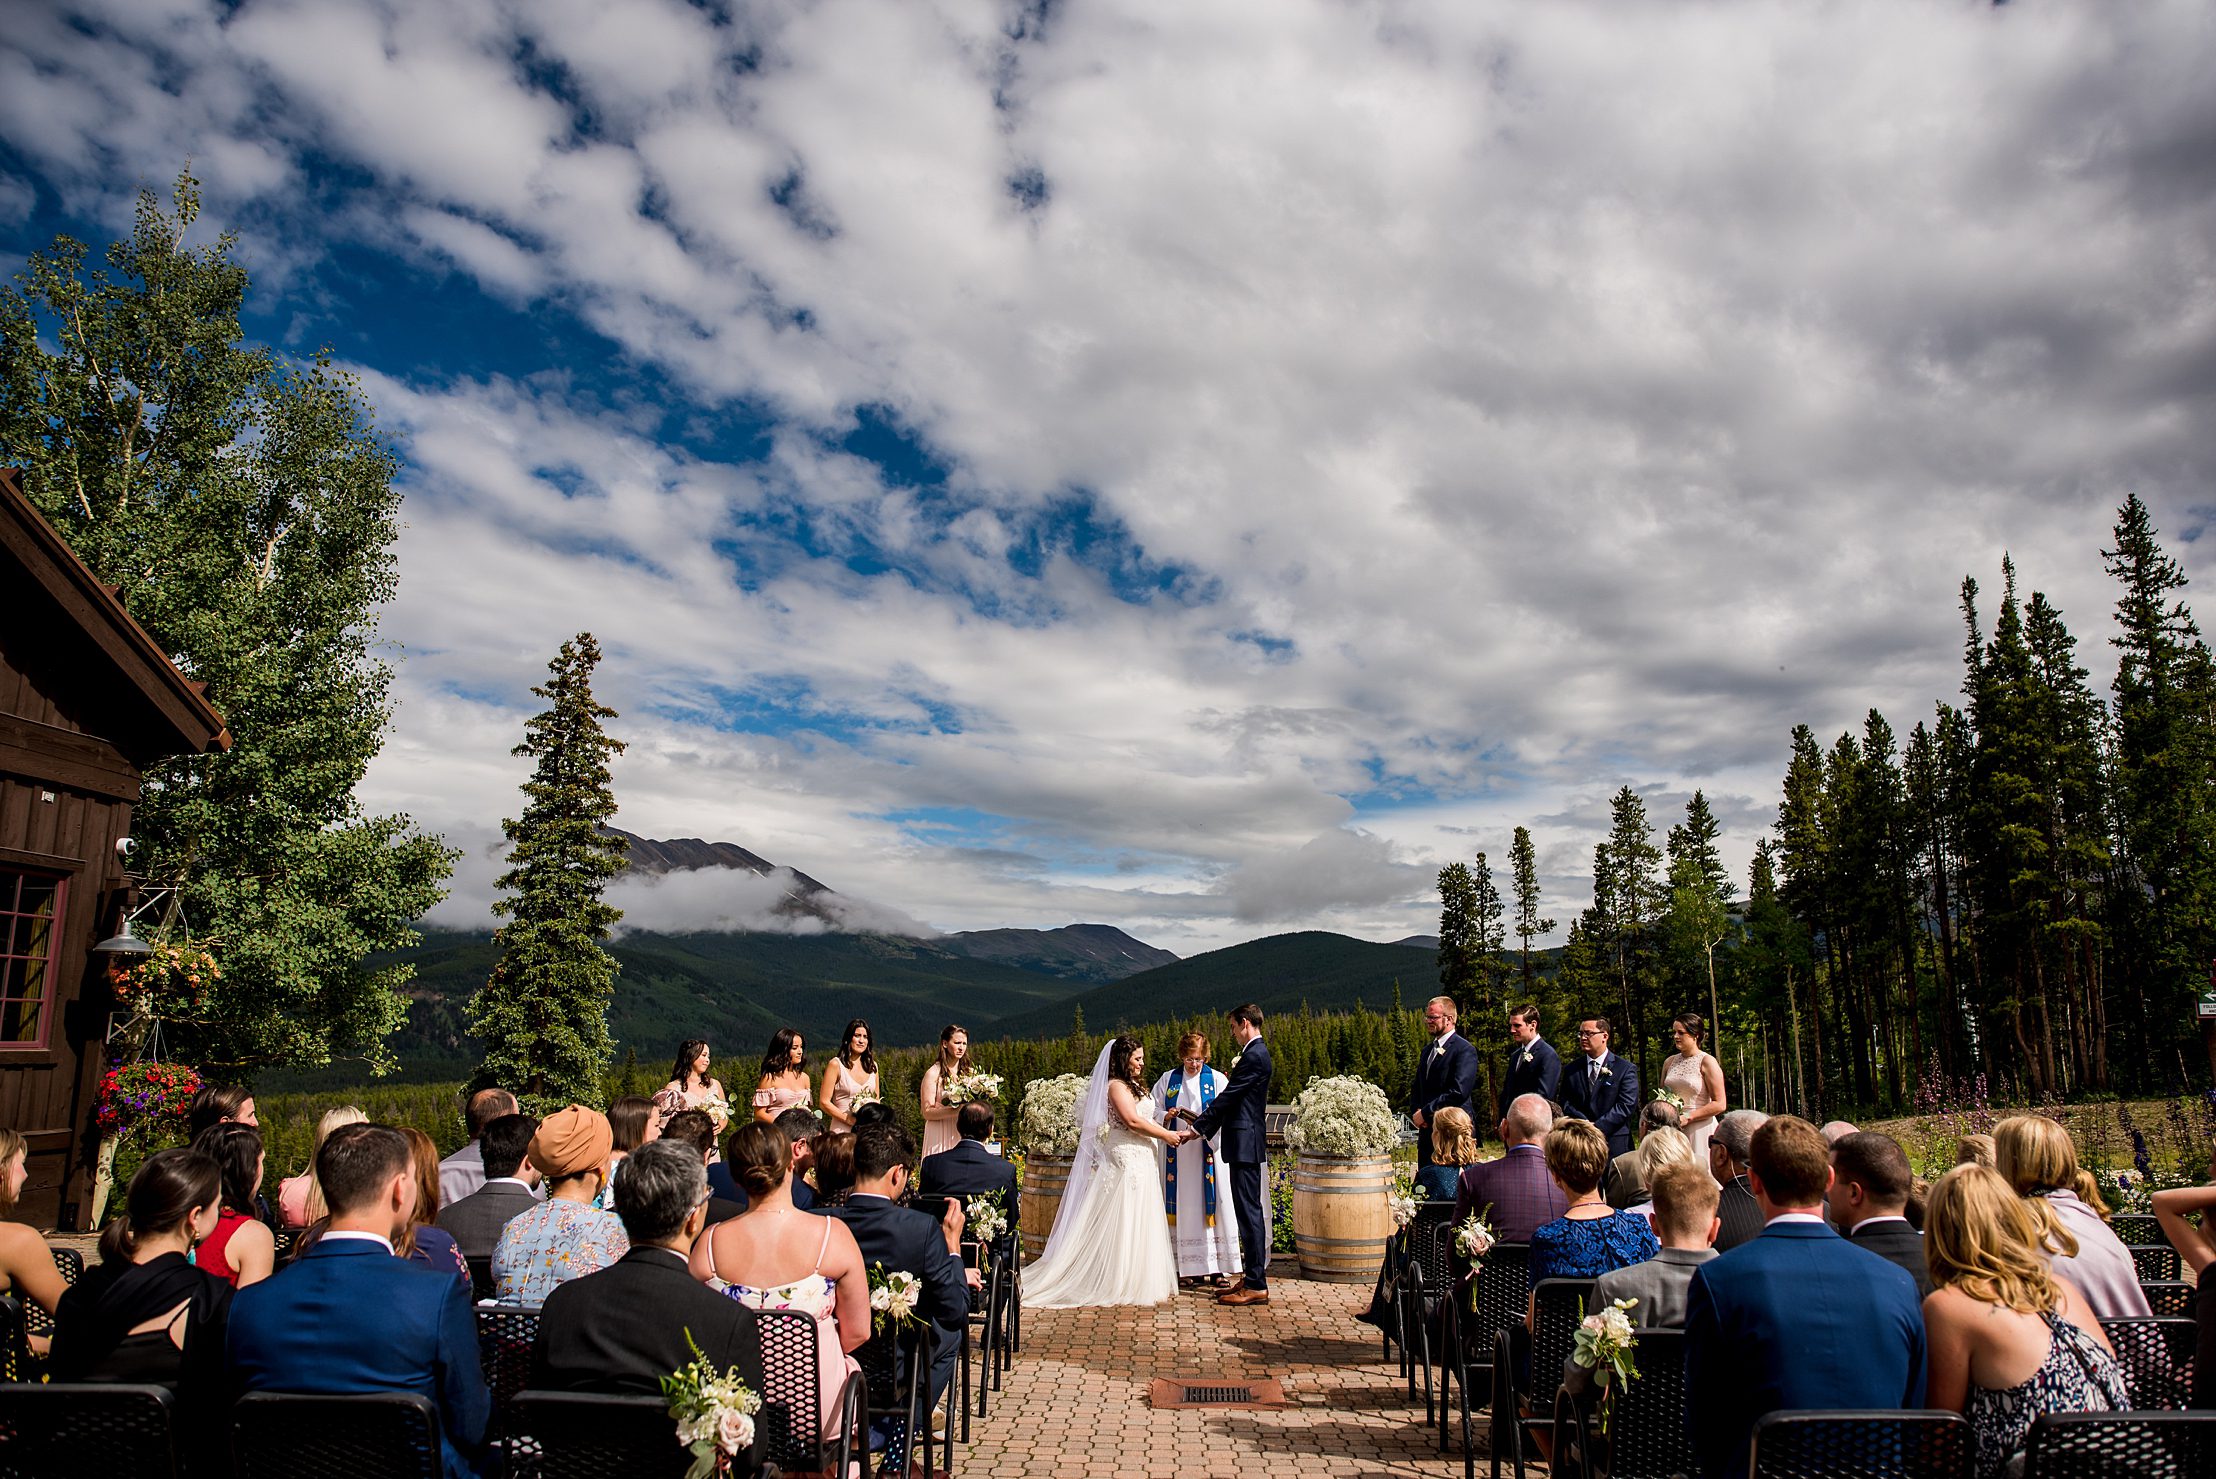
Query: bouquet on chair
{"type": "Point", "coordinates": [1605, 1342]}
{"type": "Point", "coordinates": [986, 1220]}
{"type": "Point", "coordinates": [892, 1299]}
{"type": "Point", "coordinates": [1401, 1201]}
{"type": "Point", "coordinates": [1473, 1240]}
{"type": "Point", "coordinates": [714, 1412]}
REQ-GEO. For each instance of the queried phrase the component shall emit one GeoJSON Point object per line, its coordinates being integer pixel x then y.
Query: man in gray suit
{"type": "Point", "coordinates": [475, 1221]}
{"type": "Point", "coordinates": [1730, 1150]}
{"type": "Point", "coordinates": [1685, 1221]}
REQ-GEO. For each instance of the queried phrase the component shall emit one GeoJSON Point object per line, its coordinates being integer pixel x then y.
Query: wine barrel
{"type": "Point", "coordinates": [1044, 1179]}
{"type": "Point", "coordinates": [1342, 1218]}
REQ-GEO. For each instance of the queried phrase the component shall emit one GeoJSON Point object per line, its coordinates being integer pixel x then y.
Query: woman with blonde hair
{"type": "Point", "coordinates": [1664, 1145]}
{"type": "Point", "coordinates": [300, 1198]}
{"type": "Point", "coordinates": [26, 1265]}
{"type": "Point", "coordinates": [1453, 1146]}
{"type": "Point", "coordinates": [2034, 1155]}
{"type": "Point", "coordinates": [2008, 1337]}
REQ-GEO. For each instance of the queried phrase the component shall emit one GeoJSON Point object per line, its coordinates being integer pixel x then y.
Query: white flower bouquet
{"type": "Point", "coordinates": [1474, 1238]}
{"type": "Point", "coordinates": [1342, 1117]}
{"type": "Point", "coordinates": [1401, 1201]}
{"type": "Point", "coordinates": [1046, 1122]}
{"type": "Point", "coordinates": [986, 1221]}
{"type": "Point", "coordinates": [969, 1088]}
{"type": "Point", "coordinates": [712, 1104]}
{"type": "Point", "coordinates": [1670, 1097]}
{"type": "Point", "coordinates": [714, 1411]}
{"type": "Point", "coordinates": [1605, 1342]}
{"type": "Point", "coordinates": [893, 1298]}
{"type": "Point", "coordinates": [862, 1097]}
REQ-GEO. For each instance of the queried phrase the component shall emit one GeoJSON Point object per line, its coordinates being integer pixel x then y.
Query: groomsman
{"type": "Point", "coordinates": [1601, 1087]}
{"type": "Point", "coordinates": [1446, 1075]}
{"type": "Point", "coordinates": [1533, 1065]}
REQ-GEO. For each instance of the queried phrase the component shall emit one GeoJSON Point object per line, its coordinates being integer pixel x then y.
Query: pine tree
{"type": "Point", "coordinates": [1459, 945]}
{"type": "Point", "coordinates": [1700, 891]}
{"type": "Point", "coordinates": [1630, 906]}
{"type": "Point", "coordinates": [1524, 863]}
{"type": "Point", "coordinates": [543, 1013]}
{"type": "Point", "coordinates": [1492, 941]}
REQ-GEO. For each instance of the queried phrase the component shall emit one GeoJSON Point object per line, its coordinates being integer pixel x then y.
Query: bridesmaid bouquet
{"type": "Point", "coordinates": [1605, 1342]}
{"type": "Point", "coordinates": [1672, 1098]}
{"type": "Point", "coordinates": [967, 1088]}
{"type": "Point", "coordinates": [714, 1412]}
{"type": "Point", "coordinates": [892, 1299]}
{"type": "Point", "coordinates": [862, 1097]}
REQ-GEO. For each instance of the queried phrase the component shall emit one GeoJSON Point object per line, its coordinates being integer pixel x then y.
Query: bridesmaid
{"type": "Point", "coordinates": [784, 1082]}
{"type": "Point", "coordinates": [938, 1119]}
{"type": "Point", "coordinates": [851, 1071]}
{"type": "Point", "coordinates": [1698, 1079]}
{"type": "Point", "coordinates": [690, 1085]}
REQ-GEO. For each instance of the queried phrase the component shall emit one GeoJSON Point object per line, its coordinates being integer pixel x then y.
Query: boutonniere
{"type": "Point", "coordinates": [1440, 1051]}
{"type": "Point", "coordinates": [1606, 1071]}
{"type": "Point", "coordinates": [1526, 1058]}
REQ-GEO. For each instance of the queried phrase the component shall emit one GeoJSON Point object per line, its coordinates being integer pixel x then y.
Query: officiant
{"type": "Point", "coordinates": [1196, 1185]}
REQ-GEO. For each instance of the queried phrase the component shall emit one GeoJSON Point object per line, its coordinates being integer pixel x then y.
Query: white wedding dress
{"type": "Point", "coordinates": [1111, 1240]}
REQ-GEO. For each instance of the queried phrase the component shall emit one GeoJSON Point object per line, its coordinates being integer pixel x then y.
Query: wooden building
{"type": "Point", "coordinates": [87, 702]}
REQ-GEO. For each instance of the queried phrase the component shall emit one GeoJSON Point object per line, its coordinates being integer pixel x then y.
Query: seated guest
{"type": "Point", "coordinates": [633, 1121]}
{"type": "Point", "coordinates": [2196, 1245]}
{"type": "Point", "coordinates": [1975, 1150]}
{"type": "Point", "coordinates": [2035, 1156]}
{"type": "Point", "coordinates": [902, 1240]}
{"type": "Point", "coordinates": [1590, 1237]}
{"type": "Point", "coordinates": [299, 1199]}
{"type": "Point", "coordinates": [801, 1128]}
{"type": "Point", "coordinates": [349, 1317]}
{"type": "Point", "coordinates": [1798, 1318]}
{"type": "Point", "coordinates": [475, 1221]}
{"type": "Point", "coordinates": [1685, 1221]}
{"type": "Point", "coordinates": [1835, 1131]}
{"type": "Point", "coordinates": [834, 1168]}
{"type": "Point", "coordinates": [1625, 1185]}
{"type": "Point", "coordinates": [877, 1112]}
{"type": "Point", "coordinates": [622, 1330]}
{"type": "Point", "coordinates": [26, 1264]}
{"type": "Point", "coordinates": [2009, 1339]}
{"type": "Point", "coordinates": [1664, 1145]}
{"type": "Point", "coordinates": [565, 1236]}
{"type": "Point", "coordinates": [241, 1250]}
{"type": "Point", "coordinates": [967, 1169]}
{"type": "Point", "coordinates": [1515, 1193]}
{"type": "Point", "coordinates": [1870, 1183]}
{"type": "Point", "coordinates": [773, 1256]}
{"type": "Point", "coordinates": [219, 1104]}
{"type": "Point", "coordinates": [1728, 1149]}
{"type": "Point", "coordinates": [144, 1313]}
{"type": "Point", "coordinates": [1453, 1147]}
{"type": "Point", "coordinates": [425, 1243]}
{"type": "Point", "coordinates": [693, 1127]}
{"type": "Point", "coordinates": [463, 1172]}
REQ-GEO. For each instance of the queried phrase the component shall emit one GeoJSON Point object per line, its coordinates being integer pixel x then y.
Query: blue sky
{"type": "Point", "coordinates": [1197, 471]}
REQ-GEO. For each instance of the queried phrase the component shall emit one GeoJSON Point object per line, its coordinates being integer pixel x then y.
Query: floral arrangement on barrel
{"type": "Point", "coordinates": [169, 981]}
{"type": "Point", "coordinates": [1046, 1121]}
{"type": "Point", "coordinates": [714, 1412]}
{"type": "Point", "coordinates": [1342, 1117]}
{"type": "Point", "coordinates": [135, 1096]}
{"type": "Point", "coordinates": [970, 1088]}
{"type": "Point", "coordinates": [1605, 1342]}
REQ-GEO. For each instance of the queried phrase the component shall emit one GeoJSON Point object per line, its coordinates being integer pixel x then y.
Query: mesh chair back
{"type": "Point", "coordinates": [93, 1430]}
{"type": "Point", "coordinates": [1559, 1305]}
{"type": "Point", "coordinates": [1646, 1435]}
{"type": "Point", "coordinates": [1863, 1445]}
{"type": "Point", "coordinates": [1430, 1244]}
{"type": "Point", "coordinates": [2156, 1262]}
{"type": "Point", "coordinates": [2143, 1228]}
{"type": "Point", "coordinates": [505, 1334]}
{"type": "Point", "coordinates": [15, 1352]}
{"type": "Point", "coordinates": [2156, 1356]}
{"type": "Point", "coordinates": [1503, 1284]}
{"type": "Point", "coordinates": [791, 1419]}
{"type": "Point", "coordinates": [2170, 1299]}
{"type": "Point", "coordinates": [284, 1435]}
{"type": "Point", "coordinates": [287, 1238]}
{"type": "Point", "coordinates": [2100, 1445]}
{"type": "Point", "coordinates": [569, 1435]}
{"type": "Point", "coordinates": [70, 1264]}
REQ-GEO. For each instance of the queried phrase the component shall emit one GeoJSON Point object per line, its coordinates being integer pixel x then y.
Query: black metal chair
{"type": "Point", "coordinates": [1426, 1276]}
{"type": "Point", "coordinates": [284, 1435]}
{"type": "Point", "coordinates": [505, 1335]}
{"type": "Point", "coordinates": [573, 1435]}
{"type": "Point", "coordinates": [934, 1207]}
{"type": "Point", "coordinates": [792, 1421]}
{"type": "Point", "coordinates": [2142, 1228]}
{"type": "Point", "coordinates": [70, 1264]}
{"type": "Point", "coordinates": [15, 1351]}
{"type": "Point", "coordinates": [89, 1430]}
{"type": "Point", "coordinates": [2170, 1299]}
{"type": "Point", "coordinates": [1646, 1429]}
{"type": "Point", "coordinates": [1879, 1444]}
{"type": "Point", "coordinates": [482, 1284]}
{"type": "Point", "coordinates": [2157, 1359]}
{"type": "Point", "coordinates": [988, 1319]}
{"type": "Point", "coordinates": [896, 1365]}
{"type": "Point", "coordinates": [2157, 1263]}
{"type": "Point", "coordinates": [1466, 1345]}
{"type": "Point", "coordinates": [1527, 1370]}
{"type": "Point", "coordinates": [2100, 1445]}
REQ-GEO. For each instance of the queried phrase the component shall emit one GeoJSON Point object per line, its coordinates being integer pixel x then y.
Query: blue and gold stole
{"type": "Point", "coordinates": [1207, 1153]}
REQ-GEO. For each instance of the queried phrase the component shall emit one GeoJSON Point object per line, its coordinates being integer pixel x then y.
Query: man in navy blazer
{"type": "Point", "coordinates": [348, 1318]}
{"type": "Point", "coordinates": [1237, 1112]}
{"type": "Point", "coordinates": [1446, 1074]}
{"type": "Point", "coordinates": [1601, 1087]}
{"type": "Point", "coordinates": [903, 1239]}
{"type": "Point", "coordinates": [1799, 1318]}
{"type": "Point", "coordinates": [1533, 1065]}
{"type": "Point", "coordinates": [967, 1169]}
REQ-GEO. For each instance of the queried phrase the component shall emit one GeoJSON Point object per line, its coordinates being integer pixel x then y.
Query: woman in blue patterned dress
{"type": "Point", "coordinates": [1590, 1237]}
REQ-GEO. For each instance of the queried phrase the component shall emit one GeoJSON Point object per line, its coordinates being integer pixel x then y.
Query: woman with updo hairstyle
{"type": "Point", "coordinates": [1590, 1237]}
{"type": "Point", "coordinates": [1453, 1146]}
{"type": "Point", "coordinates": [241, 1251]}
{"type": "Point", "coordinates": [2034, 1156]}
{"type": "Point", "coordinates": [834, 1168]}
{"type": "Point", "coordinates": [2008, 1337]}
{"type": "Point", "coordinates": [26, 1265]}
{"type": "Point", "coordinates": [773, 1256]}
{"type": "Point", "coordinates": [1697, 1078]}
{"type": "Point", "coordinates": [145, 1313]}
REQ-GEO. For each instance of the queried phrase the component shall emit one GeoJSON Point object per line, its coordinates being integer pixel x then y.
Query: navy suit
{"type": "Point", "coordinates": [1611, 1102]}
{"type": "Point", "coordinates": [901, 1238]}
{"type": "Point", "coordinates": [1446, 1076]}
{"type": "Point", "coordinates": [1799, 1318]}
{"type": "Point", "coordinates": [1237, 1114]}
{"type": "Point", "coordinates": [348, 1318]}
{"type": "Point", "coordinates": [967, 1169]}
{"type": "Point", "coordinates": [1541, 1076]}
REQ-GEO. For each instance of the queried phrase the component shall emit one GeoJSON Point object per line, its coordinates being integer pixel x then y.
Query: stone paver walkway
{"type": "Point", "coordinates": [1075, 1402]}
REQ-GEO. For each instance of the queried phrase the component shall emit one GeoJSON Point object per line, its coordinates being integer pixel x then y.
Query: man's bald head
{"type": "Point", "coordinates": [487, 1105]}
{"type": "Point", "coordinates": [1528, 1120]}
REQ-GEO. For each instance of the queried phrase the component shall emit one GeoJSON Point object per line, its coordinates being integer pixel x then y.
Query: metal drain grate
{"type": "Point", "coordinates": [1217, 1396]}
{"type": "Point", "coordinates": [1216, 1392]}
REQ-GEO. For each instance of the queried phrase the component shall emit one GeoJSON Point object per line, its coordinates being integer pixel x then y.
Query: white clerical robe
{"type": "Point", "coordinates": [1201, 1249]}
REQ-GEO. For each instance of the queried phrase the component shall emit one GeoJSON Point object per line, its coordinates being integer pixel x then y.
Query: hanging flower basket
{"type": "Point", "coordinates": [135, 1096]}
{"type": "Point", "coordinates": [173, 981]}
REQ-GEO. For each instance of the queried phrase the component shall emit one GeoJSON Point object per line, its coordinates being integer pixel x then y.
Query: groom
{"type": "Point", "coordinates": [1237, 1112]}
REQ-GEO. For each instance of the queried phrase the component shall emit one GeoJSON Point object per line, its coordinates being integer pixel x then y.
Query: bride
{"type": "Point", "coordinates": [1111, 1242]}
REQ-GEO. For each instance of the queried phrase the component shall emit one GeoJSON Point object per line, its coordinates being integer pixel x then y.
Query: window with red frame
{"type": "Point", "coordinates": [30, 908]}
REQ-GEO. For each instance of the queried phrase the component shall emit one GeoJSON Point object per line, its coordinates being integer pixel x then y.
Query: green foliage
{"type": "Point", "coordinates": [243, 508]}
{"type": "Point", "coordinates": [1523, 861]}
{"type": "Point", "coordinates": [1459, 937]}
{"type": "Point", "coordinates": [543, 1013]}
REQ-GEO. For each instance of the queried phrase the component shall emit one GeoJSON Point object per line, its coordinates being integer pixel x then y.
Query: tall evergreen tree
{"type": "Point", "coordinates": [1492, 941]}
{"type": "Point", "coordinates": [1699, 901]}
{"type": "Point", "coordinates": [543, 1013]}
{"type": "Point", "coordinates": [1630, 906]}
{"type": "Point", "coordinates": [1459, 944]}
{"type": "Point", "coordinates": [1524, 865]}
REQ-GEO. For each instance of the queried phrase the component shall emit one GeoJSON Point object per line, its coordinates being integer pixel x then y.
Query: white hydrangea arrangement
{"type": "Point", "coordinates": [1046, 1124]}
{"type": "Point", "coordinates": [1342, 1116]}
